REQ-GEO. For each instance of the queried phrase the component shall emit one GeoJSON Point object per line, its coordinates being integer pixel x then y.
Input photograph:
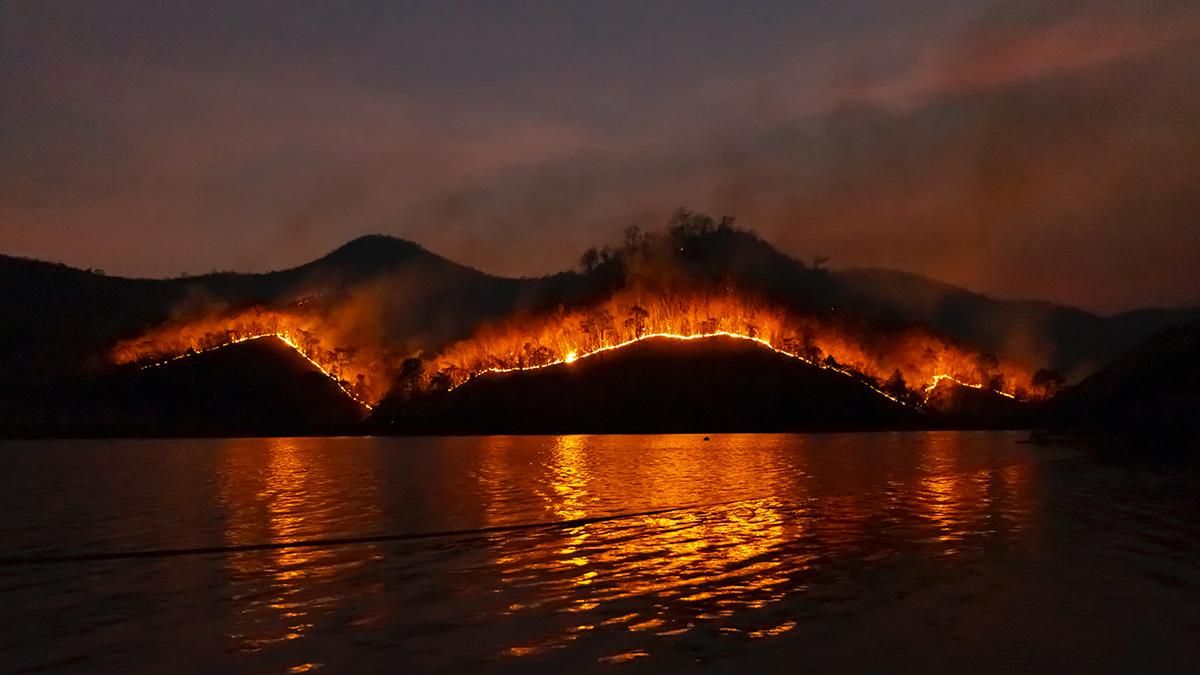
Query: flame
{"type": "Point", "coordinates": [938, 379]}
{"type": "Point", "coordinates": [572, 357]}
{"type": "Point", "coordinates": [357, 372]}
{"type": "Point", "coordinates": [899, 364]}
{"type": "Point", "coordinates": [921, 358]}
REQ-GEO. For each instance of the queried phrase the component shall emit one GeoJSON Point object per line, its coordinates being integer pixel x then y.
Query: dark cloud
{"type": "Point", "coordinates": [1040, 149]}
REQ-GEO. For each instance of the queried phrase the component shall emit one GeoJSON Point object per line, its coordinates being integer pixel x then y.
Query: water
{"type": "Point", "coordinates": [941, 552]}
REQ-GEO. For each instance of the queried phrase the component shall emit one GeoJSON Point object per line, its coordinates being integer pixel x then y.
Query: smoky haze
{"type": "Point", "coordinates": [1018, 148]}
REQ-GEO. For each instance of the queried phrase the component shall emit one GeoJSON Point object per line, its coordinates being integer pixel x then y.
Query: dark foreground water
{"type": "Point", "coordinates": [944, 552]}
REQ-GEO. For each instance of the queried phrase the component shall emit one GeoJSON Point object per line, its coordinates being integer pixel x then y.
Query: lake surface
{"type": "Point", "coordinates": [942, 552]}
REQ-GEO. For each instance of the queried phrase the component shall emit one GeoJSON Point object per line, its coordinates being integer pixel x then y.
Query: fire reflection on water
{"type": "Point", "coordinates": [762, 536]}
{"type": "Point", "coordinates": [958, 501]}
{"type": "Point", "coordinates": [285, 491]}
{"type": "Point", "coordinates": [725, 566]}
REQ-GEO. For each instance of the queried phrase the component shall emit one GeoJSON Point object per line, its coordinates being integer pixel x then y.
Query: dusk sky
{"type": "Point", "coordinates": [1026, 148]}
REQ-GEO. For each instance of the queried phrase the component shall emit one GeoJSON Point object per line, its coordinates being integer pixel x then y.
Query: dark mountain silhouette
{"type": "Point", "coordinates": [1152, 389]}
{"type": "Point", "coordinates": [965, 407]}
{"type": "Point", "coordinates": [65, 320]}
{"type": "Point", "coordinates": [60, 323]}
{"type": "Point", "coordinates": [260, 387]}
{"type": "Point", "coordinates": [68, 318]}
{"type": "Point", "coordinates": [657, 385]}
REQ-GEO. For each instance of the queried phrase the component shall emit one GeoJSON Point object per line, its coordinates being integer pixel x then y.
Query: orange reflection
{"type": "Point", "coordinates": [708, 563]}
{"type": "Point", "coordinates": [960, 499]}
{"type": "Point", "coordinates": [767, 515]}
{"type": "Point", "coordinates": [276, 490]}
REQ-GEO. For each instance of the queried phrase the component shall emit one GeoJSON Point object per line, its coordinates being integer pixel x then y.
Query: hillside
{"type": "Point", "coordinates": [657, 385]}
{"type": "Point", "coordinates": [393, 300]}
{"type": "Point", "coordinates": [66, 320]}
{"type": "Point", "coordinates": [260, 387]}
{"type": "Point", "coordinates": [1153, 389]}
{"type": "Point", "coordinates": [1065, 338]}
{"type": "Point", "coordinates": [69, 317]}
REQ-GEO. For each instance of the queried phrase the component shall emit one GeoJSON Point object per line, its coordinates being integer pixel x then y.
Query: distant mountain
{"type": "Point", "coordinates": [1152, 389]}
{"type": "Point", "coordinates": [659, 385]}
{"type": "Point", "coordinates": [1071, 340]}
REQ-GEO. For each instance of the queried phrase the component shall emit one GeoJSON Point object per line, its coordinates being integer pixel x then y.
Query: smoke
{"type": "Point", "coordinates": [1030, 154]}
{"type": "Point", "coordinates": [1025, 149]}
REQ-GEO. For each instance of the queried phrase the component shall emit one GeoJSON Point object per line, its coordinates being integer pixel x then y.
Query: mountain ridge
{"type": "Point", "coordinates": [41, 287]}
{"type": "Point", "coordinates": [418, 302]}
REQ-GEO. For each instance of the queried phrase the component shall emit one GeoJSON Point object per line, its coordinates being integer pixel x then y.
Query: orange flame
{"type": "Point", "coordinates": [366, 372]}
{"type": "Point", "coordinates": [526, 343]}
{"type": "Point", "coordinates": [359, 372]}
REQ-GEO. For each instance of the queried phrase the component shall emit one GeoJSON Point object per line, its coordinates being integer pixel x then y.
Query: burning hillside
{"type": "Point", "coordinates": [656, 385]}
{"type": "Point", "coordinates": [360, 371]}
{"type": "Point", "coordinates": [903, 364]}
{"type": "Point", "coordinates": [696, 279]}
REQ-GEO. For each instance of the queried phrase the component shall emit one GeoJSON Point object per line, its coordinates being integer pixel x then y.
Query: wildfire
{"type": "Point", "coordinates": [572, 357]}
{"type": "Point", "coordinates": [900, 365]}
{"type": "Point", "coordinates": [895, 364]}
{"type": "Point", "coordinates": [356, 371]}
{"type": "Point", "coordinates": [938, 379]}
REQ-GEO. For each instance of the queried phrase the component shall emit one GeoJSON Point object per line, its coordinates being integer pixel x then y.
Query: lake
{"type": "Point", "coordinates": [936, 552]}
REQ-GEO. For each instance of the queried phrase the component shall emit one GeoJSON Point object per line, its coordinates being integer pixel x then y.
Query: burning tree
{"type": "Point", "coordinates": [637, 320]}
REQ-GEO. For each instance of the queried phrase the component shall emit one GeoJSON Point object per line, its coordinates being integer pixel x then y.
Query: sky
{"type": "Point", "coordinates": [1021, 148]}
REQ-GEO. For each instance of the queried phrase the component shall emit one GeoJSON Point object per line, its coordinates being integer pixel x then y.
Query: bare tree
{"type": "Point", "coordinates": [637, 320]}
{"type": "Point", "coordinates": [590, 260]}
{"type": "Point", "coordinates": [896, 386]}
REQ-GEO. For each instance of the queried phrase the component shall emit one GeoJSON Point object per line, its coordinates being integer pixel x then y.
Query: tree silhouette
{"type": "Point", "coordinates": [596, 324]}
{"type": "Point", "coordinates": [411, 371]}
{"type": "Point", "coordinates": [896, 386]}
{"type": "Point", "coordinates": [987, 367]}
{"type": "Point", "coordinates": [590, 260]}
{"type": "Point", "coordinates": [443, 380]}
{"type": "Point", "coordinates": [360, 389]}
{"type": "Point", "coordinates": [637, 320]}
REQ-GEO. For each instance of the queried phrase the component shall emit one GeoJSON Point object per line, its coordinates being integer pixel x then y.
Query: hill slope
{"type": "Point", "coordinates": [261, 387]}
{"type": "Point", "coordinates": [60, 323]}
{"type": "Point", "coordinates": [1154, 388]}
{"type": "Point", "coordinates": [657, 385]}
{"type": "Point", "coordinates": [1065, 338]}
